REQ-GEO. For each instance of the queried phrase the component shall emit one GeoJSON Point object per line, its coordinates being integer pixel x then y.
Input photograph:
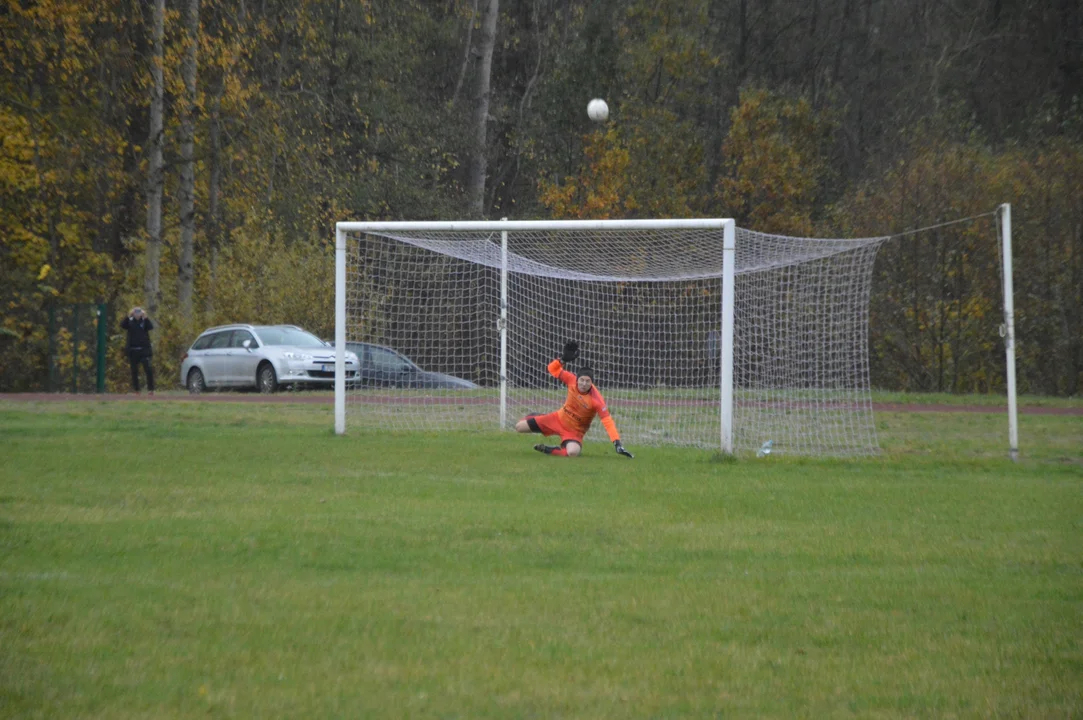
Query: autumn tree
{"type": "Point", "coordinates": [648, 161]}
{"type": "Point", "coordinates": [62, 170]}
{"type": "Point", "coordinates": [189, 104]}
{"type": "Point", "coordinates": [155, 180]}
{"type": "Point", "coordinates": [937, 293]}
{"type": "Point", "coordinates": [775, 163]}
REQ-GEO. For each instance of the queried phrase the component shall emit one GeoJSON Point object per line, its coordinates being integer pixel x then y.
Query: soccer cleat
{"type": "Point", "coordinates": [547, 449]}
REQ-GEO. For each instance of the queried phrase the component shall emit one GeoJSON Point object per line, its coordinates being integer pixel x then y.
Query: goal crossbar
{"type": "Point", "coordinates": [518, 225]}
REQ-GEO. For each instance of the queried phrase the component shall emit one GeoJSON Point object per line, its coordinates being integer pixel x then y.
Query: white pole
{"type": "Point", "coordinates": [340, 331]}
{"type": "Point", "coordinates": [526, 225]}
{"type": "Point", "coordinates": [1009, 329]}
{"type": "Point", "coordinates": [729, 246]}
{"type": "Point", "coordinates": [503, 328]}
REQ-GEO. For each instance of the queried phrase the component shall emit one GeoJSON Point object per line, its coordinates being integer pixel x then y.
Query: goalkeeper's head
{"type": "Point", "coordinates": [585, 379]}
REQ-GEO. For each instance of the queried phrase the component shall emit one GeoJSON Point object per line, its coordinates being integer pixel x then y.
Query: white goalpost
{"type": "Point", "coordinates": [1008, 326]}
{"type": "Point", "coordinates": [700, 333]}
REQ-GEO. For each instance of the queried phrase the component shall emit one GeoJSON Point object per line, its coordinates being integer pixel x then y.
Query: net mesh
{"type": "Point", "coordinates": [423, 313]}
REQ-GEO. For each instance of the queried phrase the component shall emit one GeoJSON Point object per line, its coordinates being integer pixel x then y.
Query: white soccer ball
{"type": "Point", "coordinates": [597, 110]}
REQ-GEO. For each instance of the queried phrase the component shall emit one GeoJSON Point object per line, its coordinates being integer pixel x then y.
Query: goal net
{"type": "Point", "coordinates": [700, 334]}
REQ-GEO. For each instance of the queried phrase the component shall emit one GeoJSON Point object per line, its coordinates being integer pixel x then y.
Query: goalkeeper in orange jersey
{"type": "Point", "coordinates": [572, 421]}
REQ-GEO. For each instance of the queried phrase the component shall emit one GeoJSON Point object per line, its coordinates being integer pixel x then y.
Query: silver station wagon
{"type": "Point", "coordinates": [265, 357]}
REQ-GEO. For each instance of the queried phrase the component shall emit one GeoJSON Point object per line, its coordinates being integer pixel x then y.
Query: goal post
{"type": "Point", "coordinates": [1005, 211]}
{"type": "Point", "coordinates": [701, 333]}
{"type": "Point", "coordinates": [724, 228]}
{"type": "Point", "coordinates": [340, 330]}
{"type": "Point", "coordinates": [725, 380]}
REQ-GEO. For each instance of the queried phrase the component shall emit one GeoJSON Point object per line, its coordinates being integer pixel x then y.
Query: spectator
{"type": "Point", "coordinates": [139, 326]}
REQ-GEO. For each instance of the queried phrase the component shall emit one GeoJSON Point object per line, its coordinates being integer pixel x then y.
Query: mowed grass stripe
{"type": "Point", "coordinates": [175, 560]}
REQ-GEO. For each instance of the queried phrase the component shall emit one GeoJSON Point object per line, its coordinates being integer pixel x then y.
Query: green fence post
{"type": "Point", "coordinates": [75, 350]}
{"type": "Point", "coordinates": [52, 380]}
{"type": "Point", "coordinates": [102, 319]}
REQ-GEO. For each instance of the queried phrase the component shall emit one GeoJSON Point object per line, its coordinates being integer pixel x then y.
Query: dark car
{"type": "Point", "coordinates": [381, 366]}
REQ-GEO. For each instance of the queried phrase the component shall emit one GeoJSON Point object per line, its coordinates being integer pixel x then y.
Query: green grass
{"type": "Point", "coordinates": [239, 560]}
{"type": "Point", "coordinates": [995, 400]}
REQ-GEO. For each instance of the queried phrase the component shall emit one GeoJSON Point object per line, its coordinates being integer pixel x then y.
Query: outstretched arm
{"type": "Point", "coordinates": [609, 424]}
{"type": "Point", "coordinates": [557, 370]}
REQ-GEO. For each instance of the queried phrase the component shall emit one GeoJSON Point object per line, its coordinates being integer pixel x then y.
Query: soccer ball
{"type": "Point", "coordinates": [597, 110]}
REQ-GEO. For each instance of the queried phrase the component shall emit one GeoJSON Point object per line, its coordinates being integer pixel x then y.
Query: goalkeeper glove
{"type": "Point", "coordinates": [571, 351]}
{"type": "Point", "coordinates": [621, 451]}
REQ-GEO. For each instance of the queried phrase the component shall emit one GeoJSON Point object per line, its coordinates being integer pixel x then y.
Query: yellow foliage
{"type": "Point", "coordinates": [600, 191]}
{"type": "Point", "coordinates": [651, 169]}
{"type": "Point", "coordinates": [774, 163]}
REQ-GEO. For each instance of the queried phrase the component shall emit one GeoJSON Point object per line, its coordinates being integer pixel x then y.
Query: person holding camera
{"type": "Point", "coordinates": [139, 326]}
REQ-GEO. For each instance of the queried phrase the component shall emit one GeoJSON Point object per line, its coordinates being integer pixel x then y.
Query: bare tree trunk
{"type": "Point", "coordinates": [155, 180]}
{"type": "Point", "coordinates": [277, 95]}
{"type": "Point", "coordinates": [479, 166]}
{"type": "Point", "coordinates": [506, 176]}
{"type": "Point", "coordinates": [467, 51]}
{"type": "Point", "coordinates": [215, 161]}
{"type": "Point", "coordinates": [186, 270]}
{"type": "Point", "coordinates": [717, 103]}
{"type": "Point", "coordinates": [332, 68]}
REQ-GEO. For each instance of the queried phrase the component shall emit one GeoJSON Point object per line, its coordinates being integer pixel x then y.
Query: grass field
{"type": "Point", "coordinates": [208, 559]}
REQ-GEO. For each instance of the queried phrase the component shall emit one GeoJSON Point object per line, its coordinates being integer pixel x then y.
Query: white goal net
{"type": "Point", "coordinates": [454, 324]}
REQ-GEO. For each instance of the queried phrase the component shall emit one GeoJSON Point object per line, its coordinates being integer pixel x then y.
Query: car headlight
{"type": "Point", "coordinates": [296, 356]}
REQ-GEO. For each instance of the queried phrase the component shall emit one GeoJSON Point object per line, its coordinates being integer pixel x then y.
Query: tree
{"type": "Point", "coordinates": [479, 155]}
{"type": "Point", "coordinates": [155, 166]}
{"type": "Point", "coordinates": [774, 160]}
{"type": "Point", "coordinates": [62, 180]}
{"type": "Point", "coordinates": [936, 303]}
{"type": "Point", "coordinates": [648, 160]}
{"type": "Point", "coordinates": [291, 114]}
{"type": "Point", "coordinates": [186, 269]}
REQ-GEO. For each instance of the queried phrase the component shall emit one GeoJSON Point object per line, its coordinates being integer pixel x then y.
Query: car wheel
{"type": "Point", "coordinates": [196, 383]}
{"type": "Point", "coordinates": [266, 380]}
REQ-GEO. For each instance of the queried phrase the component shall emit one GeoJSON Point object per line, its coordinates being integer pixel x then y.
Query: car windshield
{"type": "Point", "coordinates": [390, 361]}
{"type": "Point", "coordinates": [293, 337]}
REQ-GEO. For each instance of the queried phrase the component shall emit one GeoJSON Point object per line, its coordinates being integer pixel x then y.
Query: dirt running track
{"type": "Point", "coordinates": [322, 399]}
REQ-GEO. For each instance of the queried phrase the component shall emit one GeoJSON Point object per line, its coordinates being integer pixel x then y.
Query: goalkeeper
{"type": "Point", "coordinates": [572, 421]}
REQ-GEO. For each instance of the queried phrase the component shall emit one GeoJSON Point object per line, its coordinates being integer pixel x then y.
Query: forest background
{"type": "Point", "coordinates": [193, 156]}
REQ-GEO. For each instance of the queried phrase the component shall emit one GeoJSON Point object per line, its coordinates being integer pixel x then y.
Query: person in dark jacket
{"type": "Point", "coordinates": [139, 326]}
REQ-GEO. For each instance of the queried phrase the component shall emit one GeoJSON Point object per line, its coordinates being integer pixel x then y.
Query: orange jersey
{"type": "Point", "coordinates": [580, 408]}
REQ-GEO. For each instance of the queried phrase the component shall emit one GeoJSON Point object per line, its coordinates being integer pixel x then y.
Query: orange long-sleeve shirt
{"type": "Point", "coordinates": [579, 408]}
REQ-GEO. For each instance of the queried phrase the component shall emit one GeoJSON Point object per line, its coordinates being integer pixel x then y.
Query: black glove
{"type": "Point", "coordinates": [621, 451]}
{"type": "Point", "coordinates": [571, 351]}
